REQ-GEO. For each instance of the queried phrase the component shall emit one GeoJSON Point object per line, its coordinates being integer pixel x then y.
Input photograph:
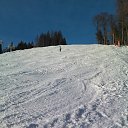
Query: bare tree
{"type": "Point", "coordinates": [101, 21]}
{"type": "Point", "coordinates": [97, 22]}
{"type": "Point", "coordinates": [113, 27]}
{"type": "Point", "coordinates": [122, 12]}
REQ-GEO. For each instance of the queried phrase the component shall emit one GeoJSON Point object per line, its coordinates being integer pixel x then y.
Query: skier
{"type": "Point", "coordinates": [60, 48]}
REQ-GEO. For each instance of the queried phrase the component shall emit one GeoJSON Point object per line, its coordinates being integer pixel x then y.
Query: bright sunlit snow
{"type": "Point", "coordinates": [84, 86]}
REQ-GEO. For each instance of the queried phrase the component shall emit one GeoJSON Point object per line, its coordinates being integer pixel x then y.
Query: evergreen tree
{"type": "Point", "coordinates": [50, 39]}
{"type": "Point", "coordinates": [21, 46]}
{"type": "Point", "coordinates": [30, 45]}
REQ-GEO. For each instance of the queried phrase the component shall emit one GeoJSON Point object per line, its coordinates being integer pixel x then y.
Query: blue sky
{"type": "Point", "coordinates": [24, 19]}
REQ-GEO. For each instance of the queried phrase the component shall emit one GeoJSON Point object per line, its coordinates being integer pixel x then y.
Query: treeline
{"type": "Point", "coordinates": [113, 29]}
{"type": "Point", "coordinates": [42, 40]}
{"type": "Point", "coordinates": [50, 39]}
{"type": "Point", "coordinates": [20, 46]}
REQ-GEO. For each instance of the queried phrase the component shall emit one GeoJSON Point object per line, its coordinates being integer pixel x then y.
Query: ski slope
{"type": "Point", "coordinates": [84, 86]}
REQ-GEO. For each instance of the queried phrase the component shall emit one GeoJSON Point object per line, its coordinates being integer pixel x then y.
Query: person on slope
{"type": "Point", "coordinates": [60, 48]}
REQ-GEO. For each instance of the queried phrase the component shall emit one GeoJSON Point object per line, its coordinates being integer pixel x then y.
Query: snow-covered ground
{"type": "Point", "coordinates": [84, 86]}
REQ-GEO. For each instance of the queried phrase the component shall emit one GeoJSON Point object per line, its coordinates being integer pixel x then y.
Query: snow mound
{"type": "Point", "coordinates": [84, 86]}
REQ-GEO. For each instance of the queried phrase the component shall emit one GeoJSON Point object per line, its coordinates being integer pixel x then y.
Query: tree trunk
{"type": "Point", "coordinates": [126, 42]}
{"type": "Point", "coordinates": [127, 39]}
{"type": "Point", "coordinates": [105, 36]}
{"type": "Point", "coordinates": [122, 40]}
{"type": "Point", "coordinates": [118, 43]}
{"type": "Point", "coordinates": [113, 38]}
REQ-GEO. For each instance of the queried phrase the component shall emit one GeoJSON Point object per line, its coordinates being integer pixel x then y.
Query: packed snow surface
{"type": "Point", "coordinates": [84, 86]}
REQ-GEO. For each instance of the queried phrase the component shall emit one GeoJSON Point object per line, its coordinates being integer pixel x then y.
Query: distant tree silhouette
{"type": "Point", "coordinates": [42, 40]}
{"type": "Point", "coordinates": [11, 47]}
{"type": "Point", "coordinates": [50, 39]}
{"type": "Point", "coordinates": [23, 45]}
{"type": "Point", "coordinates": [101, 21]}
{"type": "Point", "coordinates": [99, 37]}
{"type": "Point", "coordinates": [30, 45]}
{"type": "Point", "coordinates": [122, 13]}
{"type": "Point", "coordinates": [113, 27]}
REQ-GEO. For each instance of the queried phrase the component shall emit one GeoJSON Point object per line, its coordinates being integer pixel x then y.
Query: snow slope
{"type": "Point", "coordinates": [84, 86]}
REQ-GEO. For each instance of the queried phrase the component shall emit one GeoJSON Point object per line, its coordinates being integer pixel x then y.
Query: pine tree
{"type": "Point", "coordinates": [50, 39]}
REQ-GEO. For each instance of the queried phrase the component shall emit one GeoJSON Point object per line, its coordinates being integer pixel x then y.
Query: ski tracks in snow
{"type": "Point", "coordinates": [87, 89]}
